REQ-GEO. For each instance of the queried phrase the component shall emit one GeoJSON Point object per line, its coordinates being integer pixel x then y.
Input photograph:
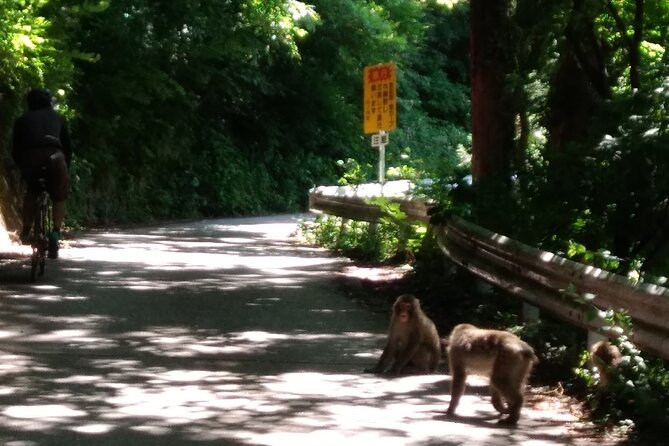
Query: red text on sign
{"type": "Point", "coordinates": [379, 74]}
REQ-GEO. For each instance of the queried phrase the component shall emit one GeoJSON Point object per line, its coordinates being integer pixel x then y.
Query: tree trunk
{"type": "Point", "coordinates": [492, 114]}
{"type": "Point", "coordinates": [633, 43]}
{"type": "Point", "coordinates": [635, 79]}
{"type": "Point", "coordinates": [571, 103]}
{"type": "Point", "coordinates": [580, 81]}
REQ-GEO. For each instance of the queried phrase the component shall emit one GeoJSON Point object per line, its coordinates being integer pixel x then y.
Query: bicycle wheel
{"type": "Point", "coordinates": [39, 239]}
{"type": "Point", "coordinates": [45, 218]}
{"type": "Point", "coordinates": [35, 259]}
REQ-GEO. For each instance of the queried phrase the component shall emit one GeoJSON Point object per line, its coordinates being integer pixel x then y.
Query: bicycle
{"type": "Point", "coordinates": [39, 242]}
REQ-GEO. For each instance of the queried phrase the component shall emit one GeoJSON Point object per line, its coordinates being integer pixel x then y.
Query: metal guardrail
{"type": "Point", "coordinates": [540, 278]}
{"type": "Point", "coordinates": [353, 201]}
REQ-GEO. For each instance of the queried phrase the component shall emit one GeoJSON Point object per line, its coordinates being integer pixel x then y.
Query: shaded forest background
{"type": "Point", "coordinates": [542, 119]}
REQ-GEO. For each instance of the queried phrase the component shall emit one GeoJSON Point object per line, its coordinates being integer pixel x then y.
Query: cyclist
{"type": "Point", "coordinates": [41, 139]}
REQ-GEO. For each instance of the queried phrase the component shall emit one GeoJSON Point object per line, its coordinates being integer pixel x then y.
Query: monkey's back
{"type": "Point", "coordinates": [482, 348]}
{"type": "Point", "coordinates": [431, 335]}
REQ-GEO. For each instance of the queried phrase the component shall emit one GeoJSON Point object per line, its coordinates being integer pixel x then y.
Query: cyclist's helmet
{"type": "Point", "coordinates": [39, 98]}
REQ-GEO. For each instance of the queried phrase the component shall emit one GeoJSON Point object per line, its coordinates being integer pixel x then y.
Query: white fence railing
{"type": "Point", "coordinates": [540, 278]}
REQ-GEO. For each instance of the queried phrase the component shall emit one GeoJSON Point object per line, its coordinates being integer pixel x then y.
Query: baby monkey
{"type": "Point", "coordinates": [413, 344]}
{"type": "Point", "coordinates": [499, 355]}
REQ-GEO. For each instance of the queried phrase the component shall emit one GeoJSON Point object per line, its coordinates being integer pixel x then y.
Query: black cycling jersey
{"type": "Point", "coordinates": [40, 128]}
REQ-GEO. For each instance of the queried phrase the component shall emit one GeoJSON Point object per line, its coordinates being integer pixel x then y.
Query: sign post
{"type": "Point", "coordinates": [380, 108]}
{"type": "Point", "coordinates": [380, 140]}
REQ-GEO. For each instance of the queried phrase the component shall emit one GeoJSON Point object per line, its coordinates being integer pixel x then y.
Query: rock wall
{"type": "Point", "coordinates": [10, 203]}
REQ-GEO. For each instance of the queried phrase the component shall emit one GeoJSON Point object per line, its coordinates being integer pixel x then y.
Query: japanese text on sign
{"type": "Point", "coordinates": [379, 99]}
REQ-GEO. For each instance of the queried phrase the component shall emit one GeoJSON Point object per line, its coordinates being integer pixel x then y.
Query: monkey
{"type": "Point", "coordinates": [413, 343]}
{"type": "Point", "coordinates": [498, 355]}
{"type": "Point", "coordinates": [605, 357]}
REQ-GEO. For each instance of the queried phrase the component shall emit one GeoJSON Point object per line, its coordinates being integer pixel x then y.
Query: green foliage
{"type": "Point", "coordinates": [236, 108]}
{"type": "Point", "coordinates": [185, 109]}
{"type": "Point", "coordinates": [601, 198]}
{"type": "Point", "coordinates": [409, 235]}
{"type": "Point", "coordinates": [381, 242]}
{"type": "Point", "coordinates": [177, 108]}
{"type": "Point", "coordinates": [601, 258]}
{"type": "Point", "coordinates": [352, 172]}
{"type": "Point", "coordinates": [33, 52]}
{"type": "Point", "coordinates": [557, 345]}
{"type": "Point", "coordinates": [607, 197]}
{"type": "Point", "coordinates": [433, 94]}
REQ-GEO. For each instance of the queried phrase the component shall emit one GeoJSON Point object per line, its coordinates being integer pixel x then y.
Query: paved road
{"type": "Point", "coordinates": [221, 332]}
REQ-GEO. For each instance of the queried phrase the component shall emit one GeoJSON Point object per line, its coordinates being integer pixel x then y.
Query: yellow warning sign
{"type": "Point", "coordinates": [379, 100]}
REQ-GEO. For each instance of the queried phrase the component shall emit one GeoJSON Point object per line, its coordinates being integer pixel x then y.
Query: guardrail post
{"type": "Point", "coordinates": [343, 229]}
{"type": "Point", "coordinates": [530, 313]}
{"type": "Point", "coordinates": [373, 229]}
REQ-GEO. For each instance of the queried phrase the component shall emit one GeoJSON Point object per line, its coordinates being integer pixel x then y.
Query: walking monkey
{"type": "Point", "coordinates": [499, 355]}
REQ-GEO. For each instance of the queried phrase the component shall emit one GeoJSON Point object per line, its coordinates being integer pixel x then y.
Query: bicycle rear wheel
{"type": "Point", "coordinates": [35, 257]}
{"type": "Point", "coordinates": [39, 239]}
{"type": "Point", "coordinates": [47, 219]}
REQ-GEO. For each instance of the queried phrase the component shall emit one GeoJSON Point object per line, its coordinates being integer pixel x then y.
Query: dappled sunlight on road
{"type": "Point", "coordinates": [200, 404]}
{"type": "Point", "coordinates": [250, 387]}
{"type": "Point", "coordinates": [199, 246]}
{"type": "Point", "coordinates": [199, 256]}
{"type": "Point", "coordinates": [218, 254]}
{"type": "Point", "coordinates": [218, 333]}
{"type": "Point", "coordinates": [232, 395]}
{"type": "Point", "coordinates": [290, 408]}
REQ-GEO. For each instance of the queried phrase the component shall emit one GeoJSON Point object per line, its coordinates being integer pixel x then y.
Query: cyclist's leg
{"type": "Point", "coordinates": [30, 173]}
{"type": "Point", "coordinates": [58, 214]}
{"type": "Point", "coordinates": [28, 215]}
{"type": "Point", "coordinates": [58, 189]}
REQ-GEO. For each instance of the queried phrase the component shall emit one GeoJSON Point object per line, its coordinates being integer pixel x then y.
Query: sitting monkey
{"type": "Point", "coordinates": [605, 357]}
{"type": "Point", "coordinates": [413, 344]}
{"type": "Point", "coordinates": [499, 355]}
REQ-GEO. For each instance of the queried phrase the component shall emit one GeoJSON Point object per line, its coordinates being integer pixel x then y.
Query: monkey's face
{"type": "Point", "coordinates": [403, 311]}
